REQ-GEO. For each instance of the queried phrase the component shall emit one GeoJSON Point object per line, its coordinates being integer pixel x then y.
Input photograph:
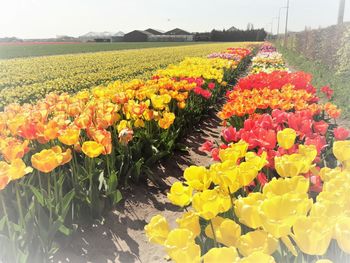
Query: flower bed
{"type": "Point", "coordinates": [277, 189]}
{"type": "Point", "coordinates": [67, 156]}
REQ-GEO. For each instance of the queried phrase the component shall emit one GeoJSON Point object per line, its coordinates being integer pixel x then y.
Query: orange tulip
{"type": "Point", "coordinates": [4, 176]}
{"type": "Point", "coordinates": [66, 156]}
{"type": "Point", "coordinates": [51, 130]}
{"type": "Point", "coordinates": [15, 149]}
{"type": "Point", "coordinates": [46, 160]}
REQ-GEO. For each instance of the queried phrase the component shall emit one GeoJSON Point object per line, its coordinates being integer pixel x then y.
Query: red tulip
{"type": "Point", "coordinates": [341, 133]}
{"type": "Point", "coordinates": [321, 127]}
{"type": "Point", "coordinates": [229, 134]}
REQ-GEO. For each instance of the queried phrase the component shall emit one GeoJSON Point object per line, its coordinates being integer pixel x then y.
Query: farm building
{"type": "Point", "coordinates": [157, 36]}
{"type": "Point", "coordinates": [137, 36]}
{"type": "Point", "coordinates": [154, 31]}
{"type": "Point", "coordinates": [177, 31]}
{"type": "Point", "coordinates": [170, 38]}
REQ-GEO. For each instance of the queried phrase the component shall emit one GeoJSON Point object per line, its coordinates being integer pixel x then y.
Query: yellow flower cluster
{"type": "Point", "coordinates": [226, 226]}
{"type": "Point", "coordinates": [29, 79]}
{"type": "Point", "coordinates": [211, 69]}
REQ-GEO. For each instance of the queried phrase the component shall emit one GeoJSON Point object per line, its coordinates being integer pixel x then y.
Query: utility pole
{"type": "Point", "coordinates": [279, 18]}
{"type": "Point", "coordinates": [341, 12]}
{"type": "Point", "coordinates": [286, 29]}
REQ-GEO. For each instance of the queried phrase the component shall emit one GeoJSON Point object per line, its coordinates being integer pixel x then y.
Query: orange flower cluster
{"type": "Point", "coordinates": [243, 102]}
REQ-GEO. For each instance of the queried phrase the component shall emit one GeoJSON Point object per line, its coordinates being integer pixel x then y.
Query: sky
{"type": "Point", "coordinates": [49, 18]}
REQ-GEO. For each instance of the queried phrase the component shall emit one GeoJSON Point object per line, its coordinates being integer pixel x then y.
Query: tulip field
{"type": "Point", "coordinates": [278, 187]}
{"type": "Point", "coordinates": [65, 157]}
{"type": "Point", "coordinates": [73, 137]}
{"type": "Point", "coordinates": [29, 79]}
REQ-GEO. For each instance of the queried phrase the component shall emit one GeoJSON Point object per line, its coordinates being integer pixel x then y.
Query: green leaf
{"type": "Point", "coordinates": [66, 201]}
{"type": "Point", "coordinates": [116, 196]}
{"type": "Point", "coordinates": [38, 195]}
{"type": "Point", "coordinates": [65, 230]}
{"type": "Point", "coordinates": [2, 223]}
{"type": "Point", "coordinates": [112, 182]}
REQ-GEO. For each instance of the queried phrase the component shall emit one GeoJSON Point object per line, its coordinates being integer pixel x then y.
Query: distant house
{"type": "Point", "coordinates": [154, 31]}
{"type": "Point", "coordinates": [137, 36]}
{"type": "Point", "coordinates": [177, 31]}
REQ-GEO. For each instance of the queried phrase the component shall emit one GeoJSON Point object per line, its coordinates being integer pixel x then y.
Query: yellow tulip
{"type": "Point", "coordinates": [258, 257]}
{"type": "Point", "coordinates": [123, 124]}
{"type": "Point", "coordinates": [327, 209]}
{"type": "Point", "coordinates": [308, 151]}
{"type": "Point", "coordinates": [246, 209]}
{"type": "Point", "coordinates": [257, 240]}
{"type": "Point", "coordinates": [157, 230]}
{"type": "Point", "coordinates": [139, 123]}
{"type": "Point", "coordinates": [197, 177]}
{"type": "Point", "coordinates": [291, 165]}
{"type": "Point", "coordinates": [279, 213]}
{"type": "Point", "coordinates": [312, 235]}
{"type": "Point", "coordinates": [180, 195]}
{"type": "Point", "coordinates": [247, 171]}
{"type": "Point", "coordinates": [258, 161]}
{"type": "Point", "coordinates": [341, 150]}
{"type": "Point", "coordinates": [209, 203]}
{"type": "Point", "coordinates": [342, 233]}
{"type": "Point", "coordinates": [225, 175]}
{"type": "Point", "coordinates": [167, 119]}
{"type": "Point", "coordinates": [92, 148]}
{"type": "Point", "coordinates": [190, 221]}
{"type": "Point", "coordinates": [241, 147]}
{"type": "Point", "coordinates": [17, 169]}
{"type": "Point", "coordinates": [281, 186]}
{"type": "Point", "coordinates": [327, 174]}
{"type": "Point", "coordinates": [229, 154]}
{"type": "Point", "coordinates": [222, 255]}
{"type": "Point", "coordinates": [181, 247]}
{"type": "Point", "coordinates": [69, 136]}
{"type": "Point", "coordinates": [226, 231]}
{"type": "Point", "coordinates": [286, 138]}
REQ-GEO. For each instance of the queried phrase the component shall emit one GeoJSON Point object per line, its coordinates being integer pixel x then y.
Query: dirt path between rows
{"type": "Point", "coordinates": [120, 237]}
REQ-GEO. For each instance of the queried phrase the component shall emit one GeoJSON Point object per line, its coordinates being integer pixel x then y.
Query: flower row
{"type": "Point", "coordinates": [278, 185]}
{"type": "Point", "coordinates": [67, 156]}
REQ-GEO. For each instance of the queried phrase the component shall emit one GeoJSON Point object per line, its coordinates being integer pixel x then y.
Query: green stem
{"type": "Point", "coordinates": [90, 165]}
{"type": "Point", "coordinates": [19, 204]}
{"type": "Point", "coordinates": [214, 235]}
{"type": "Point", "coordinates": [13, 241]}
{"type": "Point", "coordinates": [48, 201]}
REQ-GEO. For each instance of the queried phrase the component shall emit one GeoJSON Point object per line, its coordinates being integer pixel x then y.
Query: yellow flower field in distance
{"type": "Point", "coordinates": [29, 79]}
